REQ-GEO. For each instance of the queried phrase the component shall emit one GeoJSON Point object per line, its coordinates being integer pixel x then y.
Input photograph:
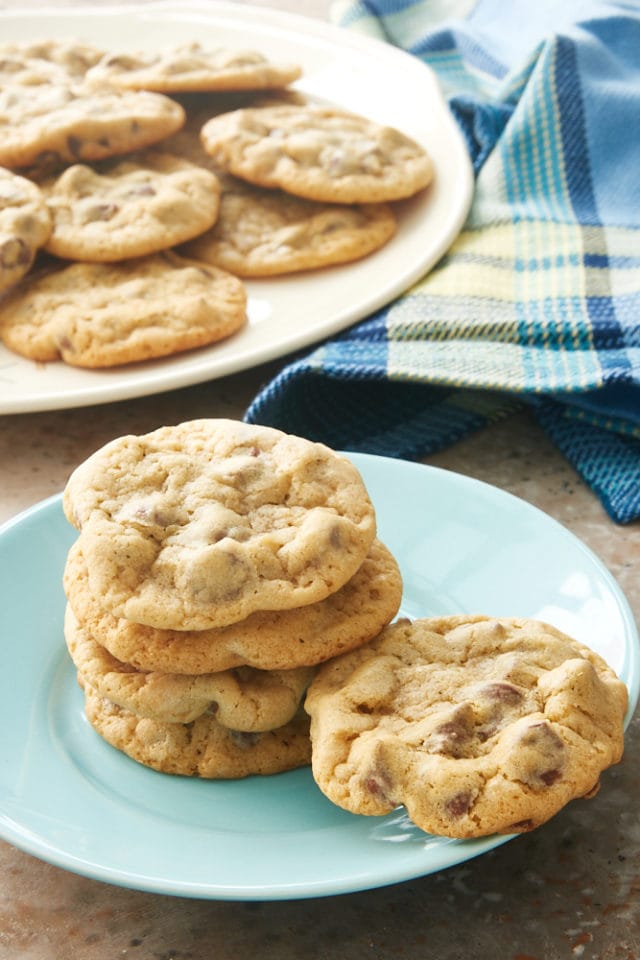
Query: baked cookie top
{"type": "Point", "coordinates": [192, 67]}
{"type": "Point", "coordinates": [129, 208]}
{"type": "Point", "coordinates": [203, 748]}
{"type": "Point", "coordinates": [321, 153]}
{"type": "Point", "coordinates": [46, 61]}
{"type": "Point", "coordinates": [106, 314]}
{"type": "Point", "coordinates": [242, 699]}
{"type": "Point", "coordinates": [268, 640]}
{"type": "Point", "coordinates": [201, 524]}
{"type": "Point", "coordinates": [25, 226]}
{"type": "Point", "coordinates": [261, 233]}
{"type": "Point", "coordinates": [476, 725]}
{"type": "Point", "coordinates": [45, 125]}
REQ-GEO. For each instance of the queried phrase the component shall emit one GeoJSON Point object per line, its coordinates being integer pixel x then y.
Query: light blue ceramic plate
{"type": "Point", "coordinates": [72, 800]}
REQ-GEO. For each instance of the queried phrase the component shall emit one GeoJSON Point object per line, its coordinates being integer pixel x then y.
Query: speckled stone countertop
{"type": "Point", "coordinates": [570, 889]}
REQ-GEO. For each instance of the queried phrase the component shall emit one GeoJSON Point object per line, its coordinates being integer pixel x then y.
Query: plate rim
{"type": "Point", "coordinates": [196, 367]}
{"type": "Point", "coordinates": [453, 853]}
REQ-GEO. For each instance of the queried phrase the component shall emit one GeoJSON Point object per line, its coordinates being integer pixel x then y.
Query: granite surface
{"type": "Point", "coordinates": [570, 889]}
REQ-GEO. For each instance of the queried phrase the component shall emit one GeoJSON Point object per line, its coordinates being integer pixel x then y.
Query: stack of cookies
{"type": "Point", "coordinates": [217, 565]}
{"type": "Point", "coordinates": [154, 184]}
{"type": "Point", "coordinates": [229, 613]}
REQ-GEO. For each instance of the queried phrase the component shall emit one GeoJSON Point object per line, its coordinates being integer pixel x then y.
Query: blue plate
{"type": "Point", "coordinates": [69, 798]}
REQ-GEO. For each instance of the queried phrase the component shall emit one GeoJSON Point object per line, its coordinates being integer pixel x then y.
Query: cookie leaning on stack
{"type": "Point", "coordinates": [477, 725]}
{"type": "Point", "coordinates": [224, 562]}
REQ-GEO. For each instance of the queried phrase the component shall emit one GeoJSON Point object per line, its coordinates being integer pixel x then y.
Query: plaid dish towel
{"type": "Point", "coordinates": [538, 300]}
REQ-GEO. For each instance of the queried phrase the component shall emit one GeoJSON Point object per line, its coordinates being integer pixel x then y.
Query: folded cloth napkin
{"type": "Point", "coordinates": [538, 300]}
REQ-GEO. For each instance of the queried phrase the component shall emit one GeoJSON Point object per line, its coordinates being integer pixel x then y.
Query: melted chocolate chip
{"type": "Point", "coordinates": [74, 146]}
{"type": "Point", "coordinates": [453, 737]}
{"type": "Point", "coordinates": [378, 784]}
{"type": "Point", "coordinates": [15, 253]}
{"type": "Point", "coordinates": [542, 736]}
{"type": "Point", "coordinates": [101, 211]}
{"type": "Point", "coordinates": [458, 805]}
{"type": "Point", "coordinates": [47, 159]}
{"type": "Point", "coordinates": [550, 777]}
{"type": "Point", "coordinates": [502, 692]}
{"type": "Point", "coordinates": [335, 537]}
{"type": "Point", "coordinates": [522, 826]}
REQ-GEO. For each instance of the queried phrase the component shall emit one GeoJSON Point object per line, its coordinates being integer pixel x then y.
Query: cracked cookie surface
{"type": "Point", "coordinates": [46, 61]}
{"type": "Point", "coordinates": [192, 67]}
{"type": "Point", "coordinates": [476, 725]}
{"type": "Point", "coordinates": [267, 640]}
{"type": "Point", "coordinates": [129, 208]}
{"type": "Point", "coordinates": [203, 523]}
{"type": "Point", "coordinates": [203, 748]}
{"type": "Point", "coordinates": [47, 125]}
{"type": "Point", "coordinates": [241, 699]}
{"type": "Point", "coordinates": [106, 314]}
{"type": "Point", "coordinates": [321, 153]}
{"type": "Point", "coordinates": [262, 233]}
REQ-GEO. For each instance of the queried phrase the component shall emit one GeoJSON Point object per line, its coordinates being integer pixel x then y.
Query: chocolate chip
{"type": "Point", "coordinates": [541, 735]}
{"type": "Point", "coordinates": [453, 731]}
{"type": "Point", "coordinates": [15, 253]}
{"type": "Point", "coordinates": [540, 755]}
{"type": "Point", "coordinates": [549, 777]}
{"type": "Point", "coordinates": [121, 60]}
{"type": "Point", "coordinates": [378, 783]}
{"type": "Point", "coordinates": [74, 145]}
{"type": "Point", "coordinates": [150, 514]}
{"type": "Point", "coordinates": [522, 826]}
{"type": "Point", "coordinates": [143, 190]}
{"type": "Point", "coordinates": [453, 736]}
{"type": "Point", "coordinates": [502, 692]}
{"type": "Point", "coordinates": [335, 537]}
{"type": "Point", "coordinates": [373, 786]}
{"type": "Point", "coordinates": [458, 805]}
{"type": "Point", "coordinates": [47, 159]}
{"type": "Point", "coordinates": [100, 212]}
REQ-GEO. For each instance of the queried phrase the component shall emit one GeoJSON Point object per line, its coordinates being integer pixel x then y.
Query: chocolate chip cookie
{"type": "Point", "coordinates": [107, 314]}
{"type": "Point", "coordinates": [241, 699]}
{"type": "Point", "coordinates": [47, 125]}
{"type": "Point", "coordinates": [129, 208]}
{"type": "Point", "coordinates": [477, 725]}
{"type": "Point", "coordinates": [192, 67]}
{"type": "Point", "coordinates": [262, 233]}
{"type": "Point", "coordinates": [321, 153]}
{"type": "Point", "coordinates": [268, 640]}
{"type": "Point", "coordinates": [201, 524]}
{"type": "Point", "coordinates": [203, 748]}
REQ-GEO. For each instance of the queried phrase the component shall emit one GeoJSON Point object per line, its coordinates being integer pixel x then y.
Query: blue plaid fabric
{"type": "Point", "coordinates": [538, 300]}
